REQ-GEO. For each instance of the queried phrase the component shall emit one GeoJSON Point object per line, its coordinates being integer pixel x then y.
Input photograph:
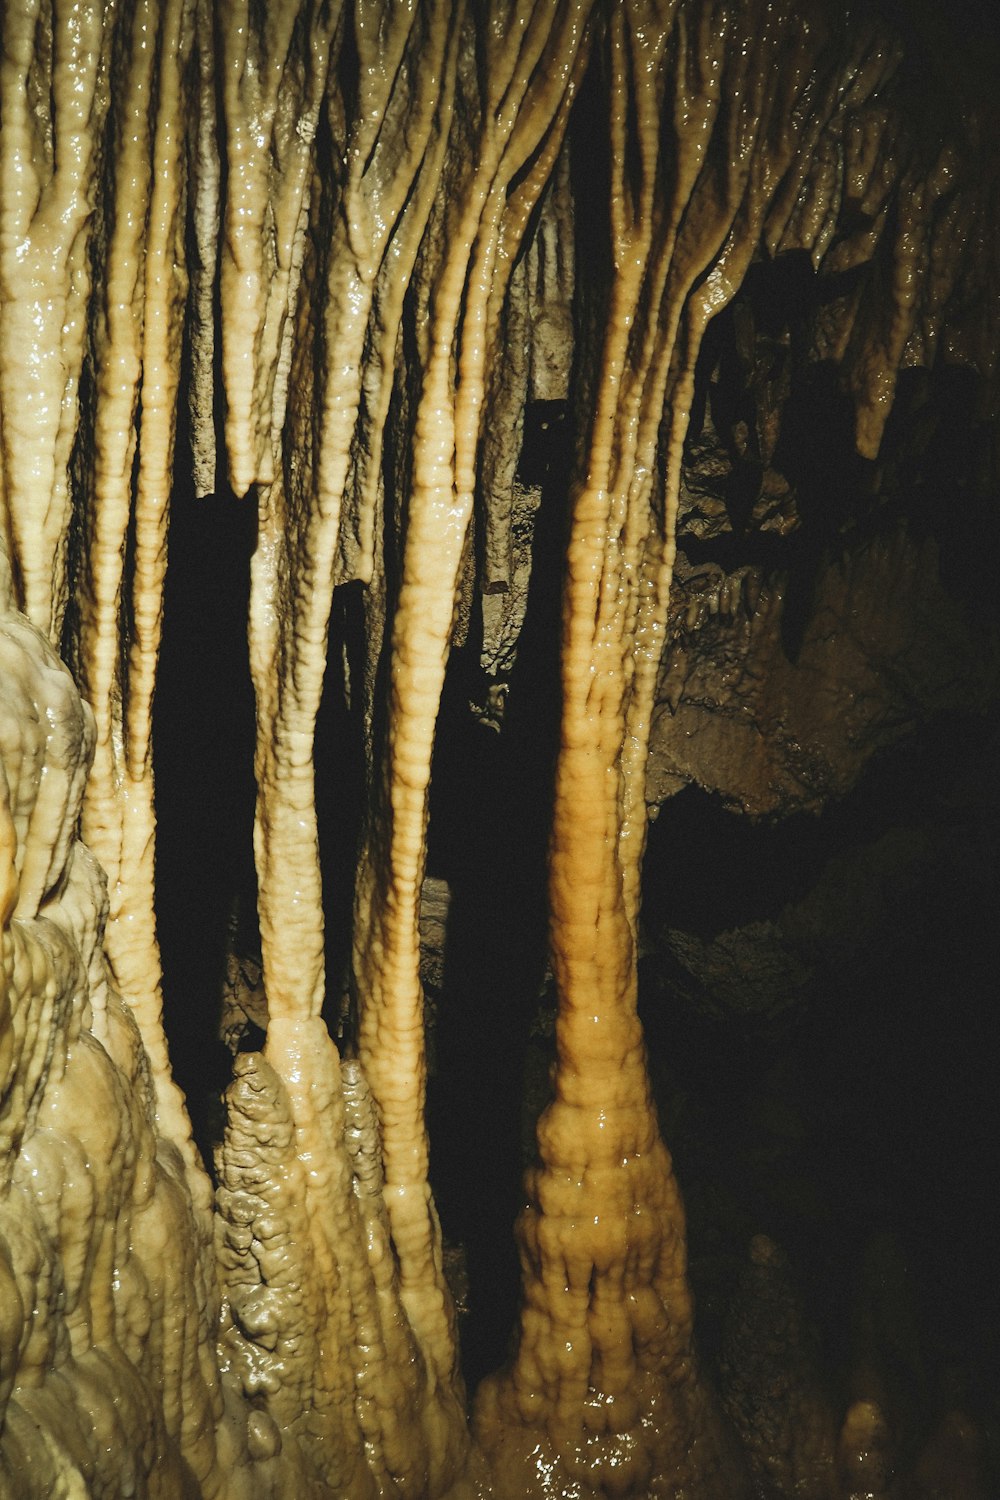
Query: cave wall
{"type": "Point", "coordinates": [541, 337]}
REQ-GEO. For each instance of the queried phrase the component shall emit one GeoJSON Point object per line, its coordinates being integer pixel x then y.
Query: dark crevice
{"type": "Point", "coordinates": [203, 761]}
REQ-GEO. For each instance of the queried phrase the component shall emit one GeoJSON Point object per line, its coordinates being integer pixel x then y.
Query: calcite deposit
{"type": "Point", "coordinates": [422, 283]}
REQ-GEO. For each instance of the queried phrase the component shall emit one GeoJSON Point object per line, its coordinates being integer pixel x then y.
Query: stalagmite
{"type": "Point", "coordinates": [528, 76]}
{"type": "Point", "coordinates": [357, 242]}
{"type": "Point", "coordinates": [606, 1347]}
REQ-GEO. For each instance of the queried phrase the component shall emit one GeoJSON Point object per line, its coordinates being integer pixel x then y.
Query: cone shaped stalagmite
{"type": "Point", "coordinates": [604, 1394]}
{"type": "Point", "coordinates": [337, 232]}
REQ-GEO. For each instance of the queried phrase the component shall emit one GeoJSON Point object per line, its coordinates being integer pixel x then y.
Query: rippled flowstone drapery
{"type": "Point", "coordinates": [350, 236]}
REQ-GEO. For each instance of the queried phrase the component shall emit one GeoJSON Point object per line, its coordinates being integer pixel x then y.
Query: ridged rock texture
{"type": "Point", "coordinates": [337, 259]}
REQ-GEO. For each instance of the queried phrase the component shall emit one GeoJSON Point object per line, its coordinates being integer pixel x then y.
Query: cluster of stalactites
{"type": "Point", "coordinates": [398, 240]}
{"type": "Point", "coordinates": [604, 1395]}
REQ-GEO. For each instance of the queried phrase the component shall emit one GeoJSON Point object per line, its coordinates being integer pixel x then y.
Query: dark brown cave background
{"type": "Point", "coordinates": [821, 883]}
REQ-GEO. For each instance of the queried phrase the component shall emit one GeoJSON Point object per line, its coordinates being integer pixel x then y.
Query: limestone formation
{"type": "Point", "coordinates": [369, 260]}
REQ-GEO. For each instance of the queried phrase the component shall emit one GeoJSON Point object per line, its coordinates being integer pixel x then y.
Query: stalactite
{"type": "Point", "coordinates": [527, 76]}
{"type": "Point", "coordinates": [391, 234]}
{"type": "Point", "coordinates": [124, 489]}
{"type": "Point", "coordinates": [56, 93]}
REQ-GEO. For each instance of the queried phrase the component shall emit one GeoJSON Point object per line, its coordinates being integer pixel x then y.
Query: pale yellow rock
{"type": "Point", "coordinates": [55, 101]}
{"type": "Point", "coordinates": [396, 200]}
{"type": "Point", "coordinates": [106, 1378]}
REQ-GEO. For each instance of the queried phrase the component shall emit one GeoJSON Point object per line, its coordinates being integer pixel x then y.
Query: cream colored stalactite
{"type": "Point", "coordinates": [271, 104]}
{"type": "Point", "coordinates": [118, 339]}
{"type": "Point", "coordinates": [407, 101]}
{"type": "Point", "coordinates": [165, 294]}
{"type": "Point", "coordinates": [408, 183]}
{"type": "Point", "coordinates": [294, 125]}
{"type": "Point", "coordinates": [776, 172]}
{"type": "Point", "coordinates": [529, 63]}
{"type": "Point", "coordinates": [630, 402]}
{"type": "Point", "coordinates": [772, 147]}
{"type": "Point", "coordinates": [137, 339]}
{"type": "Point", "coordinates": [360, 554]}
{"type": "Point", "coordinates": [205, 190]}
{"type": "Point", "coordinates": [537, 140]}
{"type": "Point", "coordinates": [293, 567]}
{"type": "Point", "coordinates": [293, 572]}
{"type": "Point", "coordinates": [131, 942]}
{"type": "Point", "coordinates": [55, 99]}
{"type": "Point", "coordinates": [46, 216]}
{"type": "Point", "coordinates": [423, 1445]}
{"type": "Point", "coordinates": [765, 149]}
{"type": "Point", "coordinates": [534, 147]}
{"type": "Point", "coordinates": [506, 312]}
{"type": "Point", "coordinates": [637, 403]}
